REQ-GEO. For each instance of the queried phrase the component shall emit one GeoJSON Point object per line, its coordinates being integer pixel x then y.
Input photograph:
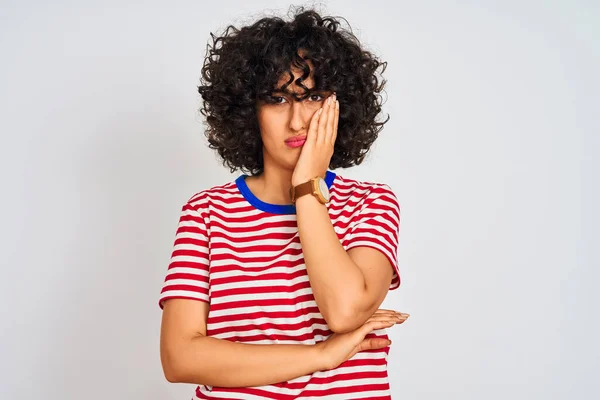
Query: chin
{"type": "Point", "coordinates": [288, 162]}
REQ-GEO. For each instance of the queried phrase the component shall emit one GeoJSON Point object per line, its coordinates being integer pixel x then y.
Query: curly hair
{"type": "Point", "coordinates": [243, 65]}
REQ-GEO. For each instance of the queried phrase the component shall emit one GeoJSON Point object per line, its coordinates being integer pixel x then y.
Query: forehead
{"type": "Point", "coordinates": [293, 87]}
{"type": "Point", "coordinates": [308, 82]}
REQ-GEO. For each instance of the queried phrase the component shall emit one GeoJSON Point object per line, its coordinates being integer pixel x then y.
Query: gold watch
{"type": "Point", "coordinates": [316, 186]}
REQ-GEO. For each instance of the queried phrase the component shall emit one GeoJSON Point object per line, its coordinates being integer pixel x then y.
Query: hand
{"type": "Point", "coordinates": [318, 149]}
{"type": "Point", "coordinates": [340, 347]}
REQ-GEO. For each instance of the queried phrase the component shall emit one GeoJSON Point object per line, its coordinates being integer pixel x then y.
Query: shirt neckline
{"type": "Point", "coordinates": [273, 208]}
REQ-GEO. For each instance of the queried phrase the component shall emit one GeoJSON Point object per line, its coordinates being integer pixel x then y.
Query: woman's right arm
{"type": "Point", "coordinates": [189, 356]}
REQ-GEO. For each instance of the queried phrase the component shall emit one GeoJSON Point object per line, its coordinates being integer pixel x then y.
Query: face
{"type": "Point", "coordinates": [282, 118]}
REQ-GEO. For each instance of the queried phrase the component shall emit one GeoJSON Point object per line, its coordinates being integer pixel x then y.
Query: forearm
{"type": "Point", "coordinates": [339, 300]}
{"type": "Point", "coordinates": [219, 362]}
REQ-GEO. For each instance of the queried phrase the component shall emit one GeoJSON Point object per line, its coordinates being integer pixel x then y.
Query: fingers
{"type": "Point", "coordinates": [382, 311]}
{"type": "Point", "coordinates": [313, 128]}
{"type": "Point", "coordinates": [374, 343]}
{"type": "Point", "coordinates": [336, 119]}
{"type": "Point", "coordinates": [331, 110]}
{"type": "Point", "coordinates": [326, 122]}
{"type": "Point", "coordinates": [384, 319]}
{"type": "Point", "coordinates": [370, 326]}
{"type": "Point", "coordinates": [328, 132]}
{"type": "Point", "coordinates": [389, 318]}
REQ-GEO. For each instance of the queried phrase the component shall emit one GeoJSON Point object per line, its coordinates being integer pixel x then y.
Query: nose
{"type": "Point", "coordinates": [298, 117]}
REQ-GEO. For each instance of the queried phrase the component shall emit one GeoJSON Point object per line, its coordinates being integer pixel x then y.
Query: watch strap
{"type": "Point", "coordinates": [302, 190]}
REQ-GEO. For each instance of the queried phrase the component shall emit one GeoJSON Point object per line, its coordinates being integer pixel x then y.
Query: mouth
{"type": "Point", "coordinates": [296, 141]}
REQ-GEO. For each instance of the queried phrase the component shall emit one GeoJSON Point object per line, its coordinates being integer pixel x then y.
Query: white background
{"type": "Point", "coordinates": [490, 149]}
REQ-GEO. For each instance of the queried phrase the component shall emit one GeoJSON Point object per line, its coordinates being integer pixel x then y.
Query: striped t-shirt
{"type": "Point", "coordinates": [244, 257]}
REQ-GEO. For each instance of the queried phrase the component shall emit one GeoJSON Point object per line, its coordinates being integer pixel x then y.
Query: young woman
{"type": "Point", "coordinates": [276, 278]}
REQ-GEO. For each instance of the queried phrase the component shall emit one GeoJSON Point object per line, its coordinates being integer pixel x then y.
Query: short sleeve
{"type": "Point", "coordinates": [377, 226]}
{"type": "Point", "coordinates": [187, 275]}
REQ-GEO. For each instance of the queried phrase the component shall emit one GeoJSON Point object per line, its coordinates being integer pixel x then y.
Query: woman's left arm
{"type": "Point", "coordinates": [348, 286]}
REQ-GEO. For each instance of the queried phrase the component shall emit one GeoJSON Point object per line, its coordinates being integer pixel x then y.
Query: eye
{"type": "Point", "coordinates": [275, 99]}
{"type": "Point", "coordinates": [312, 96]}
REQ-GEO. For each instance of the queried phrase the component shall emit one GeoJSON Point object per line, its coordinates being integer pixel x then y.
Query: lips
{"type": "Point", "coordinates": [296, 141]}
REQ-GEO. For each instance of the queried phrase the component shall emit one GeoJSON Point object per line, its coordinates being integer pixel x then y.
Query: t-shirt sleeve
{"type": "Point", "coordinates": [187, 275]}
{"type": "Point", "coordinates": [377, 226]}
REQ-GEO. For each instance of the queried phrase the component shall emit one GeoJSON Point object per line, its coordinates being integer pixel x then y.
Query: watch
{"type": "Point", "coordinates": [316, 186]}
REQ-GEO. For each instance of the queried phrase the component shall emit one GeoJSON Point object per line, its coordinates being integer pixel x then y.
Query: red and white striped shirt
{"type": "Point", "coordinates": [244, 257]}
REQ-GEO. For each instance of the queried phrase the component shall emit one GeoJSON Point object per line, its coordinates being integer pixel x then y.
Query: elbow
{"type": "Point", "coordinates": [170, 377]}
{"type": "Point", "coordinates": [345, 314]}
{"type": "Point", "coordinates": [335, 328]}
{"type": "Point", "coordinates": [170, 366]}
{"type": "Point", "coordinates": [343, 322]}
{"type": "Point", "coordinates": [177, 363]}
{"type": "Point", "coordinates": [170, 373]}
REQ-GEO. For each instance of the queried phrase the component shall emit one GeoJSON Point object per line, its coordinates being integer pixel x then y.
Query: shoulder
{"type": "Point", "coordinates": [364, 191]}
{"type": "Point", "coordinates": [219, 194]}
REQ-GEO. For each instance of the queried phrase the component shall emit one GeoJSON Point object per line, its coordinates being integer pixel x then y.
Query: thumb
{"type": "Point", "coordinates": [373, 343]}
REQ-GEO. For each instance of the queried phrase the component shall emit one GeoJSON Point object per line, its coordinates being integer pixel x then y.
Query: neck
{"type": "Point", "coordinates": [272, 185]}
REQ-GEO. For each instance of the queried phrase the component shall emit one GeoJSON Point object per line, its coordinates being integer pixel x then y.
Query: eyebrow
{"type": "Point", "coordinates": [310, 90]}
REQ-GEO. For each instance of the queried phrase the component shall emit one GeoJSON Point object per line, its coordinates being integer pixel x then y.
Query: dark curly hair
{"type": "Point", "coordinates": [243, 65]}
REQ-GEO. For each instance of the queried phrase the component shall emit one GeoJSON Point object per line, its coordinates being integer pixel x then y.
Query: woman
{"type": "Point", "coordinates": [276, 278]}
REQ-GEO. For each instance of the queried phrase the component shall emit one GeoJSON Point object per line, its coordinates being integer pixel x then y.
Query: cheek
{"type": "Point", "coordinates": [269, 136]}
{"type": "Point", "coordinates": [271, 129]}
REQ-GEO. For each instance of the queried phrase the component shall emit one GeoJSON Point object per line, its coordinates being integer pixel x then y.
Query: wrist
{"type": "Point", "coordinates": [300, 180]}
{"type": "Point", "coordinates": [320, 356]}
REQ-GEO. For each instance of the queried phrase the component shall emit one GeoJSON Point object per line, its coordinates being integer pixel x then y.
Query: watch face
{"type": "Point", "coordinates": [324, 189]}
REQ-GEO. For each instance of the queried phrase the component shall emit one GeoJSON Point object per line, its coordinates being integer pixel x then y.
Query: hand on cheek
{"type": "Point", "coordinates": [317, 151]}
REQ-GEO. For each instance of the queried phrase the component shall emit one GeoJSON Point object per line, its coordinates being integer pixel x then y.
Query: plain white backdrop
{"type": "Point", "coordinates": [490, 149]}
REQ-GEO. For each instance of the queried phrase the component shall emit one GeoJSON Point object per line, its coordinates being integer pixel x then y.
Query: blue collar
{"type": "Point", "coordinates": [273, 208]}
